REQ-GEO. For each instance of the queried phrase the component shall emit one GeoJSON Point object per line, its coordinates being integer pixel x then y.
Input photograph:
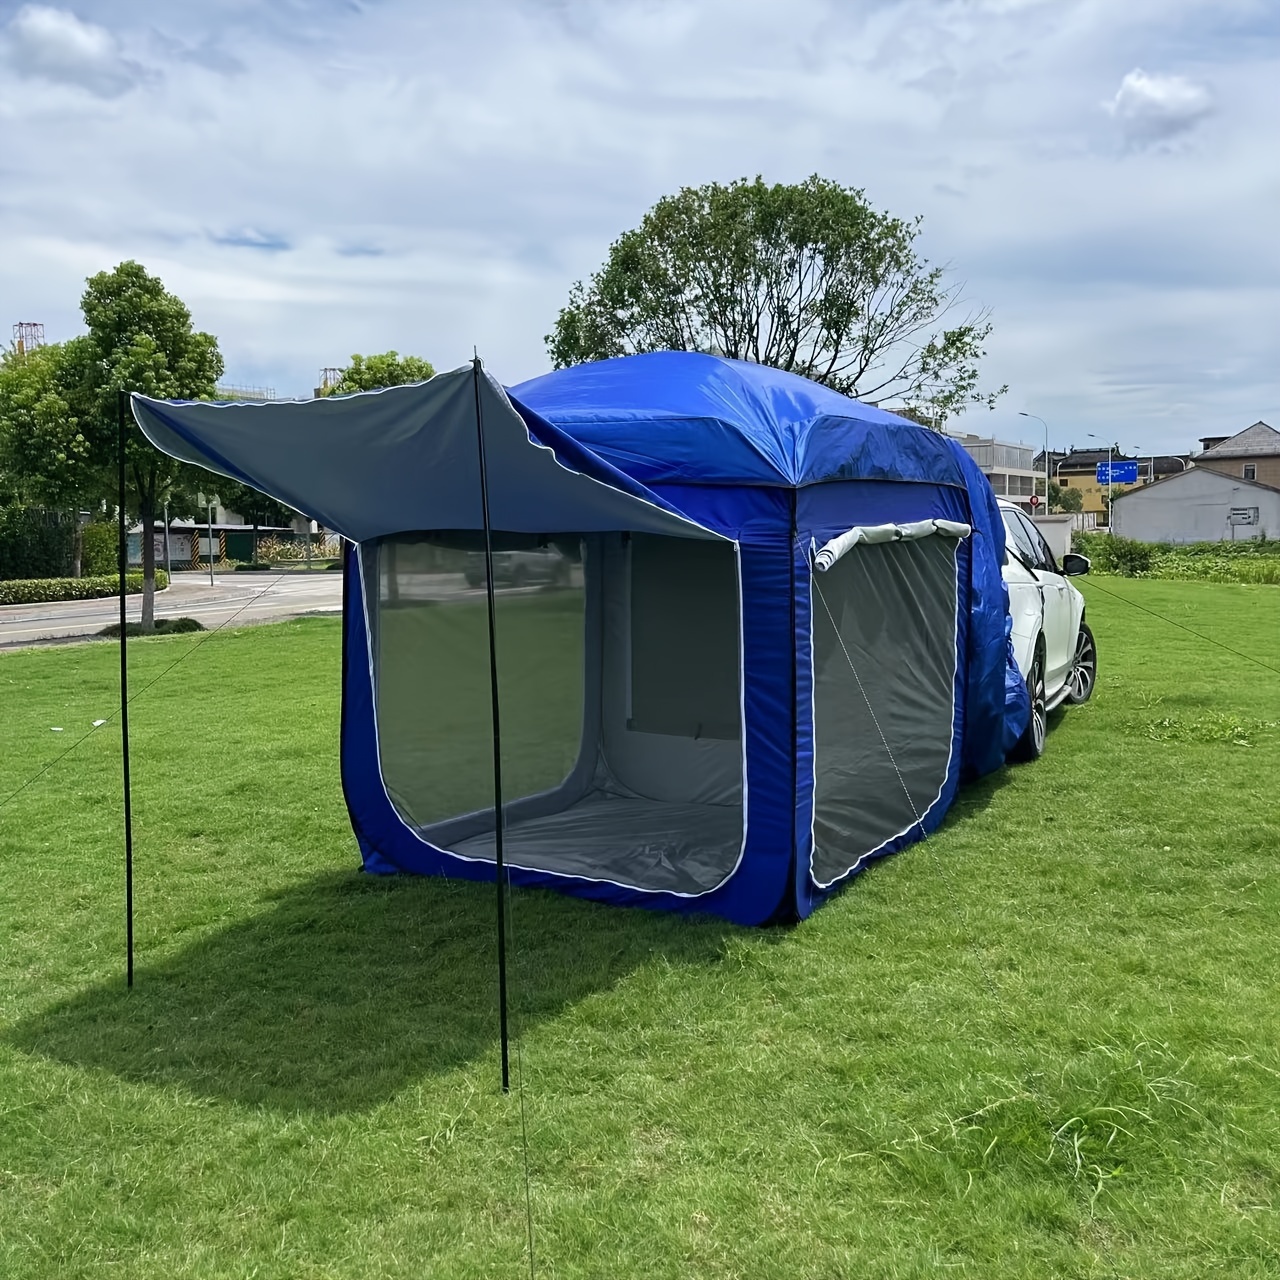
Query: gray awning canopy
{"type": "Point", "coordinates": [407, 458]}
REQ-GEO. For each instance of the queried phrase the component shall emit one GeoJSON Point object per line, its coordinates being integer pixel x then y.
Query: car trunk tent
{"type": "Point", "coordinates": [750, 633]}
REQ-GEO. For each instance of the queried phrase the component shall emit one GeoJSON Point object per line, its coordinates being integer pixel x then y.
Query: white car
{"type": "Point", "coordinates": [1051, 640]}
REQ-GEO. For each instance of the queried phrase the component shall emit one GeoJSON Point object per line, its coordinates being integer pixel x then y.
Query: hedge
{"type": "Point", "coordinates": [1253, 560]}
{"type": "Point", "coordinates": [49, 590]}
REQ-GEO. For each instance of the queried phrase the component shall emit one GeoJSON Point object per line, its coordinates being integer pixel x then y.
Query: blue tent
{"type": "Point", "coordinates": [749, 634]}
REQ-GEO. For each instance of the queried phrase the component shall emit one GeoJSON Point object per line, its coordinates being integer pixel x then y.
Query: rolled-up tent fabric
{"type": "Point", "coordinates": [831, 551]}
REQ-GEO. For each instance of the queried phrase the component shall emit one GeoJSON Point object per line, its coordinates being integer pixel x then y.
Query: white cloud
{"type": "Point", "coordinates": [426, 176]}
{"type": "Point", "coordinates": [53, 44]}
{"type": "Point", "coordinates": [1156, 109]}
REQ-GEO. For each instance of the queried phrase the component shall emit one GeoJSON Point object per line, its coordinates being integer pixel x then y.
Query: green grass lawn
{"type": "Point", "coordinates": [1044, 1043]}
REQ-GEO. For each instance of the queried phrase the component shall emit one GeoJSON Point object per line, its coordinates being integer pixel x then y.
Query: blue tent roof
{"type": "Point", "coordinates": [683, 417]}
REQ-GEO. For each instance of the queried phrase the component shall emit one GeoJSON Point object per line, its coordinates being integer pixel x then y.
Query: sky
{"type": "Point", "coordinates": [320, 177]}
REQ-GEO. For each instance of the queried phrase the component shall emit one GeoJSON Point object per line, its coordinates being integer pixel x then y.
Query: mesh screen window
{"type": "Point", "coordinates": [429, 623]}
{"type": "Point", "coordinates": [884, 668]}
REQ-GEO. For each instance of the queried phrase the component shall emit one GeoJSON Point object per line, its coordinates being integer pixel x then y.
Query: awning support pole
{"type": "Point", "coordinates": [500, 869]}
{"type": "Point", "coordinates": [122, 406]}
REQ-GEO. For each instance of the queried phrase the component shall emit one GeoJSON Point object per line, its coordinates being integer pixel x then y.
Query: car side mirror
{"type": "Point", "coordinates": [1073, 565]}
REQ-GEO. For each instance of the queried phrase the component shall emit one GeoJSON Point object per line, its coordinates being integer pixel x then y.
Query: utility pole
{"type": "Point", "coordinates": [211, 544]}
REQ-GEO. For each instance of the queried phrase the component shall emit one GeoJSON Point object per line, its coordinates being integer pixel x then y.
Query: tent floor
{"type": "Point", "coordinates": [644, 844]}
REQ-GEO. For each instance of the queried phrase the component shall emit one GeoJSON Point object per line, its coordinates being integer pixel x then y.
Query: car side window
{"type": "Point", "coordinates": [1043, 554]}
{"type": "Point", "coordinates": [1017, 535]}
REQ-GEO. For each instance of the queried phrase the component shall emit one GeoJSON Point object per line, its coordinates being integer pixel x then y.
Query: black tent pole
{"type": "Point", "coordinates": [122, 410]}
{"type": "Point", "coordinates": [499, 860]}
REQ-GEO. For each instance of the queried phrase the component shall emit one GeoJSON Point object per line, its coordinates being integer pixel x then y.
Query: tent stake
{"type": "Point", "coordinates": [122, 408]}
{"type": "Point", "coordinates": [499, 859]}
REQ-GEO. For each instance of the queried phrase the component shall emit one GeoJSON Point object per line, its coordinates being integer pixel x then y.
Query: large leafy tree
{"type": "Point", "coordinates": [372, 373]}
{"type": "Point", "coordinates": [46, 454]}
{"type": "Point", "coordinates": [805, 277]}
{"type": "Point", "coordinates": [141, 339]}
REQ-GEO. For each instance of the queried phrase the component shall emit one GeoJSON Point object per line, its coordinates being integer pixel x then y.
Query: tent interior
{"type": "Point", "coordinates": [620, 694]}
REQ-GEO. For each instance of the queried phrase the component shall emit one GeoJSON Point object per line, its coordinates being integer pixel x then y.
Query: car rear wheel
{"type": "Point", "coordinates": [1031, 745]}
{"type": "Point", "coordinates": [1084, 668]}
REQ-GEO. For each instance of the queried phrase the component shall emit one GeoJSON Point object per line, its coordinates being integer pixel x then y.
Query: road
{"type": "Point", "coordinates": [244, 597]}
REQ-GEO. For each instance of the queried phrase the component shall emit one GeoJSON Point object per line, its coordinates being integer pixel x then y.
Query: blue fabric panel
{"type": "Point", "coordinates": [753, 895]}
{"type": "Point", "coordinates": [762, 888]}
{"type": "Point", "coordinates": [825, 510]}
{"type": "Point", "coordinates": [681, 417]}
{"type": "Point", "coordinates": [757, 517]}
{"type": "Point", "coordinates": [806, 896]}
{"type": "Point", "coordinates": [1017, 699]}
{"type": "Point", "coordinates": [988, 652]}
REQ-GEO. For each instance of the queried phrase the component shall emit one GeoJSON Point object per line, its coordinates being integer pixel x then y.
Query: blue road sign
{"type": "Point", "coordinates": [1118, 473]}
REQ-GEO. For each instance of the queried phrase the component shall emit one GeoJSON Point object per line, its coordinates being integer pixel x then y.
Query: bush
{"type": "Point", "coordinates": [49, 590]}
{"type": "Point", "coordinates": [164, 627]}
{"type": "Point", "coordinates": [1110, 554]}
{"type": "Point", "coordinates": [100, 549]}
{"type": "Point", "coordinates": [1127, 556]}
{"type": "Point", "coordinates": [283, 550]}
{"type": "Point", "coordinates": [35, 543]}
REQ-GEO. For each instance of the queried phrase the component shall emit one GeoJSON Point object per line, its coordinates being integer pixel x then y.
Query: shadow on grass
{"type": "Point", "coordinates": [342, 990]}
{"type": "Point", "coordinates": [974, 796]}
{"type": "Point", "coordinates": [347, 988]}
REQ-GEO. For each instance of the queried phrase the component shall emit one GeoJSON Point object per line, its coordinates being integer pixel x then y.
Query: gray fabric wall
{"type": "Point", "coordinates": [674, 766]}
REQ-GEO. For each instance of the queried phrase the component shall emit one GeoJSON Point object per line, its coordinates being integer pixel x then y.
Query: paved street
{"type": "Point", "coordinates": [248, 597]}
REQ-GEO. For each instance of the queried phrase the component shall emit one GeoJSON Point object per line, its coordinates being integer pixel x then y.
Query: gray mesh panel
{"type": "Point", "coordinates": [893, 606]}
{"type": "Point", "coordinates": [432, 674]}
{"type": "Point", "coordinates": [587, 792]}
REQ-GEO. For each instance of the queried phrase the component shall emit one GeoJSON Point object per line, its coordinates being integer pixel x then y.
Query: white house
{"type": "Point", "coordinates": [1198, 505]}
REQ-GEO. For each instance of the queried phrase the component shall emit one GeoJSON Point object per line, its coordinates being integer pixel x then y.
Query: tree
{"type": "Point", "coordinates": [44, 451]}
{"type": "Point", "coordinates": [807, 278]}
{"type": "Point", "coordinates": [372, 373]}
{"type": "Point", "coordinates": [141, 339]}
{"type": "Point", "coordinates": [1064, 498]}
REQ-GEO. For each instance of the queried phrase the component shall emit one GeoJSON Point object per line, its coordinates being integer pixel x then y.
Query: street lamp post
{"type": "Point", "coordinates": [1045, 425]}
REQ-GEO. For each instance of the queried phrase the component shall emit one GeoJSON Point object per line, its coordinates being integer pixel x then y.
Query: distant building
{"type": "Point", "coordinates": [1201, 504]}
{"type": "Point", "coordinates": [1078, 469]}
{"type": "Point", "coordinates": [1252, 454]}
{"type": "Point", "coordinates": [1151, 466]}
{"type": "Point", "coordinates": [1009, 467]}
{"type": "Point", "coordinates": [229, 392]}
